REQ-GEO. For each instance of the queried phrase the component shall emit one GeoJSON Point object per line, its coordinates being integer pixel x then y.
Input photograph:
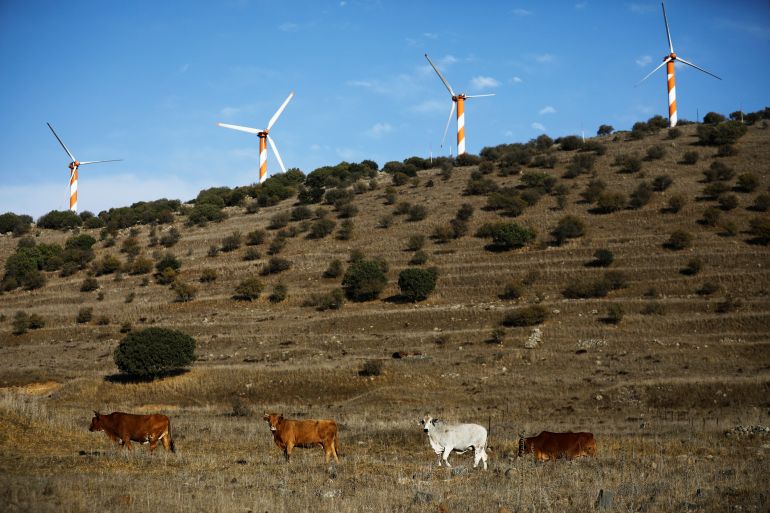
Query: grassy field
{"type": "Point", "coordinates": [659, 389]}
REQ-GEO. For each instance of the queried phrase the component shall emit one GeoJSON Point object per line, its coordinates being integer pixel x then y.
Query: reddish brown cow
{"type": "Point", "coordinates": [288, 434]}
{"type": "Point", "coordinates": [550, 446]}
{"type": "Point", "coordinates": [126, 428]}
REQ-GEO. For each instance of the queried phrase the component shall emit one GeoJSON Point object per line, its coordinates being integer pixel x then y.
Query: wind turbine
{"type": "Point", "coordinates": [263, 139]}
{"type": "Point", "coordinates": [669, 61]}
{"type": "Point", "coordinates": [74, 165]}
{"type": "Point", "coordinates": [458, 99]}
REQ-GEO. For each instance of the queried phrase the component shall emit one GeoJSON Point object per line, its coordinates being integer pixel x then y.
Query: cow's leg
{"type": "Point", "coordinates": [447, 452]}
{"type": "Point", "coordinates": [126, 440]}
{"type": "Point", "coordinates": [480, 454]}
{"type": "Point", "coordinates": [288, 450]}
{"type": "Point", "coordinates": [438, 455]}
{"type": "Point", "coordinates": [165, 439]}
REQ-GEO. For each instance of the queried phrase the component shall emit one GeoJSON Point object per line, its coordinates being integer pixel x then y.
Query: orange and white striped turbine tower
{"type": "Point", "coordinates": [458, 99]}
{"type": "Point", "coordinates": [74, 165]}
{"type": "Point", "coordinates": [669, 60]}
{"type": "Point", "coordinates": [264, 139]}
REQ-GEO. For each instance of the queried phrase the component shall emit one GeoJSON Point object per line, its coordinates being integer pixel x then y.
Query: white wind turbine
{"type": "Point", "coordinates": [458, 99]}
{"type": "Point", "coordinates": [74, 165]}
{"type": "Point", "coordinates": [263, 137]}
{"type": "Point", "coordinates": [669, 61]}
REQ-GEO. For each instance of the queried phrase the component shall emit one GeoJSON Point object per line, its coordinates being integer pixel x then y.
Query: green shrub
{"type": "Point", "coordinates": [605, 130]}
{"type": "Point", "coordinates": [724, 133]}
{"type": "Point", "coordinates": [593, 190]}
{"type": "Point", "coordinates": [727, 150]}
{"type": "Point", "coordinates": [417, 213]}
{"type": "Point", "coordinates": [714, 190]}
{"type": "Point", "coordinates": [708, 288]}
{"type": "Point", "coordinates": [662, 182]}
{"type": "Point", "coordinates": [629, 163]}
{"type": "Point", "coordinates": [654, 308]}
{"type": "Point", "coordinates": [301, 212]}
{"type": "Point", "coordinates": [690, 157]}
{"type": "Point", "coordinates": [641, 195]}
{"type": "Point", "coordinates": [614, 314]}
{"type": "Point", "coordinates": [609, 202]}
{"type": "Point", "coordinates": [729, 304]}
{"type": "Point", "coordinates": [208, 275]}
{"type": "Point", "coordinates": [676, 202]}
{"type": "Point", "coordinates": [727, 201]}
{"type": "Point", "coordinates": [364, 280]}
{"type": "Point", "coordinates": [22, 322]}
{"type": "Point", "coordinates": [59, 220]}
{"type": "Point", "coordinates": [256, 237]}
{"type": "Point", "coordinates": [108, 264]}
{"type": "Point", "coordinates": [761, 203]}
{"type": "Point", "coordinates": [713, 118]}
{"type": "Point", "coordinates": [89, 285]}
{"type": "Point", "coordinates": [678, 240]}
{"type": "Point", "coordinates": [279, 220]}
{"type": "Point", "coordinates": [570, 143]}
{"type": "Point", "coordinates": [507, 236]}
{"type": "Point", "coordinates": [278, 243]}
{"type": "Point", "coordinates": [718, 171]}
{"type": "Point", "coordinates": [249, 289]}
{"type": "Point", "coordinates": [615, 280]}
{"type": "Point", "coordinates": [184, 291]}
{"type": "Point", "coordinates": [415, 242]}
{"type": "Point", "coordinates": [154, 352]}
{"type": "Point", "coordinates": [202, 213]}
{"type": "Point", "coordinates": [416, 284]}
{"type": "Point", "coordinates": [747, 182]}
{"type": "Point", "coordinates": [84, 315]}
{"type": "Point", "coordinates": [322, 302]}
{"type": "Point", "coordinates": [602, 258]}
{"type": "Point", "coordinates": [479, 187]}
{"type": "Point", "coordinates": [512, 290]}
{"type": "Point", "coordinates": [656, 152]}
{"type": "Point", "coordinates": [231, 242]}
{"type": "Point", "coordinates": [527, 316]}
{"type": "Point", "coordinates": [371, 368]}
{"type": "Point", "coordinates": [334, 270]}
{"type": "Point", "coordinates": [582, 163]}
{"type": "Point", "coordinates": [759, 227]}
{"type": "Point", "coordinates": [711, 216]}
{"type": "Point", "coordinates": [275, 265]}
{"type": "Point", "coordinates": [586, 288]}
{"type": "Point", "coordinates": [693, 267]}
{"type": "Point", "coordinates": [419, 258]}
{"type": "Point", "coordinates": [569, 227]}
{"type": "Point", "coordinates": [674, 133]}
{"type": "Point", "coordinates": [278, 294]}
{"type": "Point", "coordinates": [321, 228]}
{"type": "Point", "coordinates": [16, 224]}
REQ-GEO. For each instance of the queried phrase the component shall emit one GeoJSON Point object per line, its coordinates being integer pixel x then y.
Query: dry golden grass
{"type": "Point", "coordinates": [657, 390]}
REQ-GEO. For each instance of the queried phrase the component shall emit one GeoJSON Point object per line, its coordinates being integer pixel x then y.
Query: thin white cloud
{"type": "Point", "coordinates": [343, 3]}
{"type": "Point", "coordinates": [288, 27]}
{"type": "Point", "coordinates": [641, 8]}
{"type": "Point", "coordinates": [430, 106]}
{"type": "Point", "coordinates": [508, 134]}
{"type": "Point", "coordinates": [184, 67]}
{"type": "Point", "coordinates": [521, 12]}
{"type": "Point", "coordinates": [544, 58]}
{"type": "Point", "coordinates": [538, 126]}
{"type": "Point", "coordinates": [750, 29]}
{"type": "Point", "coordinates": [378, 130]}
{"type": "Point", "coordinates": [581, 5]}
{"type": "Point", "coordinates": [643, 61]}
{"type": "Point", "coordinates": [482, 82]}
{"type": "Point", "coordinates": [547, 110]}
{"type": "Point", "coordinates": [516, 80]}
{"type": "Point", "coordinates": [229, 112]}
{"type": "Point", "coordinates": [430, 35]}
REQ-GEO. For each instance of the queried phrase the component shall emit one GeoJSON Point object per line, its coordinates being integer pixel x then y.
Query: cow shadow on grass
{"type": "Point", "coordinates": [125, 379]}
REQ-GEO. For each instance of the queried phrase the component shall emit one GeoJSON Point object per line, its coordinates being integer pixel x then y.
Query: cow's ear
{"type": "Point", "coordinates": [267, 416]}
{"type": "Point", "coordinates": [96, 413]}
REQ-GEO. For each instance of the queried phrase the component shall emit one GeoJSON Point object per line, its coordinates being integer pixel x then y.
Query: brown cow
{"type": "Point", "coordinates": [288, 434]}
{"type": "Point", "coordinates": [550, 446]}
{"type": "Point", "coordinates": [127, 427]}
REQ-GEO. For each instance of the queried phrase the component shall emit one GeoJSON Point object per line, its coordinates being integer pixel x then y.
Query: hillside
{"type": "Point", "coordinates": [674, 351]}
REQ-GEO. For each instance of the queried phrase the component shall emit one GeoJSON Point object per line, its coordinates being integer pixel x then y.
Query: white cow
{"type": "Point", "coordinates": [445, 438]}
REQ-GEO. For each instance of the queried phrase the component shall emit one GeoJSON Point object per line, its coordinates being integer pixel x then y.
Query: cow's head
{"type": "Point", "coordinates": [96, 424]}
{"type": "Point", "coordinates": [427, 423]}
{"type": "Point", "coordinates": [273, 419]}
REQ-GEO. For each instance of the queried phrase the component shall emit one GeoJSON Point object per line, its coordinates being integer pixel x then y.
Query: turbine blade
{"type": "Point", "coordinates": [479, 95]}
{"type": "Point", "coordinates": [241, 128]}
{"type": "Point", "coordinates": [449, 120]}
{"type": "Point", "coordinates": [275, 152]}
{"type": "Point", "coordinates": [448, 87]}
{"type": "Point", "coordinates": [668, 33]}
{"type": "Point", "coordinates": [279, 111]}
{"type": "Point", "coordinates": [696, 67]}
{"type": "Point", "coordinates": [100, 161]}
{"type": "Point", "coordinates": [62, 143]}
{"type": "Point", "coordinates": [667, 59]}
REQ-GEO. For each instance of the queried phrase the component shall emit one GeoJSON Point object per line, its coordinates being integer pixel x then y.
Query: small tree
{"type": "Point", "coordinates": [89, 284]}
{"type": "Point", "coordinates": [84, 315]}
{"type": "Point", "coordinates": [231, 242]}
{"type": "Point", "coordinates": [605, 130]}
{"type": "Point", "coordinates": [569, 227]}
{"type": "Point", "coordinates": [154, 352]}
{"type": "Point", "coordinates": [364, 280]}
{"type": "Point", "coordinates": [416, 284]}
{"type": "Point", "coordinates": [678, 240]}
{"type": "Point", "coordinates": [184, 291]}
{"type": "Point", "coordinates": [249, 289]}
{"type": "Point", "coordinates": [602, 258]}
{"type": "Point", "coordinates": [527, 316]}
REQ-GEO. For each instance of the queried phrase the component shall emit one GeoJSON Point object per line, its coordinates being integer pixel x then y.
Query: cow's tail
{"type": "Point", "coordinates": [171, 444]}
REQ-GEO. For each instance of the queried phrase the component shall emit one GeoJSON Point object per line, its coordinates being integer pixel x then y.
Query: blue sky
{"type": "Point", "coordinates": [146, 81]}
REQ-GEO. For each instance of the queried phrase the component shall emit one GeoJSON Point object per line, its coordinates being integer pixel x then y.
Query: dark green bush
{"type": "Point", "coordinates": [334, 270]}
{"type": "Point", "coordinates": [416, 284]}
{"type": "Point", "coordinates": [84, 315]}
{"type": "Point", "coordinates": [108, 264]}
{"type": "Point", "coordinates": [168, 261]}
{"type": "Point", "coordinates": [569, 227]}
{"type": "Point", "coordinates": [724, 133]}
{"type": "Point", "coordinates": [479, 186]}
{"type": "Point", "coordinates": [184, 291]}
{"type": "Point", "coordinates": [641, 195]}
{"type": "Point", "coordinates": [662, 182]}
{"type": "Point", "coordinates": [602, 258]}
{"type": "Point", "coordinates": [605, 130]}
{"type": "Point", "coordinates": [761, 203]}
{"type": "Point", "coordinates": [279, 293]}
{"type": "Point", "coordinates": [321, 228]}
{"type": "Point", "coordinates": [59, 220]}
{"type": "Point", "coordinates": [570, 143]}
{"type": "Point", "coordinates": [526, 316]}
{"type": "Point", "coordinates": [678, 240]}
{"type": "Point", "coordinates": [170, 238]}
{"type": "Point", "coordinates": [593, 190]}
{"type": "Point", "coordinates": [690, 157]}
{"type": "Point", "coordinates": [656, 152]}
{"type": "Point", "coordinates": [711, 216]}
{"type": "Point", "coordinates": [693, 267]}
{"type": "Point", "coordinates": [256, 237]}
{"type": "Point", "coordinates": [708, 288]}
{"type": "Point", "coordinates": [629, 163]}
{"type": "Point", "coordinates": [614, 314]}
{"type": "Point", "coordinates": [16, 224]}
{"type": "Point", "coordinates": [507, 236]}
{"type": "Point", "coordinates": [364, 280]}
{"type": "Point", "coordinates": [232, 242]}
{"type": "Point", "coordinates": [89, 284]}
{"type": "Point", "coordinates": [322, 302]}
{"type": "Point", "coordinates": [465, 212]}
{"type": "Point", "coordinates": [208, 275]}
{"type": "Point", "coordinates": [415, 242]}
{"type": "Point", "coordinates": [417, 213]}
{"type": "Point", "coordinates": [586, 288]}
{"type": "Point", "coordinates": [609, 202]}
{"type": "Point", "coordinates": [727, 201]}
{"type": "Point", "coordinates": [202, 213]}
{"type": "Point", "coordinates": [279, 220]}
{"type": "Point", "coordinates": [512, 290]}
{"type": "Point", "coordinates": [676, 202]}
{"type": "Point", "coordinates": [371, 368]}
{"type": "Point", "coordinates": [419, 258]}
{"type": "Point", "coordinates": [713, 118]}
{"type": "Point", "coordinates": [275, 265]}
{"type": "Point", "coordinates": [747, 182]}
{"type": "Point", "coordinates": [249, 289]}
{"type": "Point", "coordinates": [718, 171]}
{"type": "Point", "coordinates": [154, 352]}
{"type": "Point", "coordinates": [759, 227]}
